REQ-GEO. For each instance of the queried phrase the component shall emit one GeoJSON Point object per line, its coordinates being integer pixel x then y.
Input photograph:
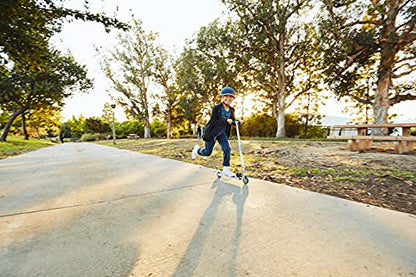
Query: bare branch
{"type": "Point", "coordinates": [404, 5]}
{"type": "Point", "coordinates": [405, 59]}
{"type": "Point", "coordinates": [408, 37]}
{"type": "Point", "coordinates": [403, 65]}
{"type": "Point", "coordinates": [362, 22]}
{"type": "Point", "coordinates": [396, 76]}
{"type": "Point", "coordinates": [403, 97]}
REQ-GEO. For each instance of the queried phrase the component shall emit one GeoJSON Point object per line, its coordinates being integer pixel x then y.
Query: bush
{"type": "Point", "coordinates": [264, 125]}
{"type": "Point", "coordinates": [96, 125]}
{"type": "Point", "coordinates": [130, 127]}
{"type": "Point", "coordinates": [158, 129]}
{"type": "Point", "coordinates": [259, 125]}
{"type": "Point", "coordinates": [89, 137]}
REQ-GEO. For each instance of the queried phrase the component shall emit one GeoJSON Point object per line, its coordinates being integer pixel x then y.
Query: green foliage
{"type": "Point", "coordinates": [89, 137]}
{"type": "Point", "coordinates": [28, 25]}
{"type": "Point", "coordinates": [204, 67]}
{"type": "Point", "coordinates": [45, 86]}
{"type": "Point", "coordinates": [74, 128]}
{"type": "Point", "coordinates": [164, 75]}
{"type": "Point", "coordinates": [368, 46]}
{"type": "Point", "coordinates": [66, 130]}
{"type": "Point", "coordinates": [130, 68]}
{"type": "Point", "coordinates": [276, 47]}
{"type": "Point", "coordinates": [264, 125]}
{"type": "Point", "coordinates": [4, 117]}
{"type": "Point", "coordinates": [158, 129]}
{"type": "Point", "coordinates": [32, 73]}
{"type": "Point", "coordinates": [293, 126]}
{"type": "Point", "coordinates": [259, 125]}
{"type": "Point", "coordinates": [130, 127]}
{"type": "Point", "coordinates": [107, 116]}
{"type": "Point", "coordinates": [96, 125]}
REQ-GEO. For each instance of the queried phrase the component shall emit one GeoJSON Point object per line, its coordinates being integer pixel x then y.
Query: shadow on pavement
{"type": "Point", "coordinates": [192, 257]}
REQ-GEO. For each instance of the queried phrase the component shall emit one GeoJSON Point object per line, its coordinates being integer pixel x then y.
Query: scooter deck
{"type": "Point", "coordinates": [239, 176]}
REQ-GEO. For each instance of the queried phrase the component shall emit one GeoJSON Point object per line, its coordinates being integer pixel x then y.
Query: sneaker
{"type": "Point", "coordinates": [226, 172]}
{"type": "Point", "coordinates": [195, 152]}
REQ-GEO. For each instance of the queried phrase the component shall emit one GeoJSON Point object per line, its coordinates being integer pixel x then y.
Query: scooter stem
{"type": "Point", "coordinates": [239, 147]}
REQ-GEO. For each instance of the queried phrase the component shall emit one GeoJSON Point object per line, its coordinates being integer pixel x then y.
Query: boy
{"type": "Point", "coordinates": [219, 128]}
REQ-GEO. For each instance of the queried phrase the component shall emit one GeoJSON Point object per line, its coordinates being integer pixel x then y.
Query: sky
{"type": "Point", "coordinates": [175, 21]}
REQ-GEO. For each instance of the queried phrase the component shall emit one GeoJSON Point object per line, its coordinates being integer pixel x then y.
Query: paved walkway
{"type": "Point", "coordinates": [90, 210]}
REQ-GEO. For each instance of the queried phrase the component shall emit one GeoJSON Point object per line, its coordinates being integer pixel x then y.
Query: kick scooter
{"type": "Point", "coordinates": [240, 175]}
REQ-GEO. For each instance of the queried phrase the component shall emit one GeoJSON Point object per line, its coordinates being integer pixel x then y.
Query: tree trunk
{"type": "Point", "coordinates": [189, 127]}
{"type": "Point", "coordinates": [147, 129]}
{"type": "Point", "coordinates": [9, 123]}
{"type": "Point", "coordinates": [382, 101]}
{"type": "Point", "coordinates": [387, 55]}
{"type": "Point", "coordinates": [282, 89]}
{"type": "Point", "coordinates": [169, 118]}
{"type": "Point", "coordinates": [281, 133]}
{"type": "Point", "coordinates": [24, 129]}
{"type": "Point", "coordinates": [381, 105]}
{"type": "Point", "coordinates": [307, 116]}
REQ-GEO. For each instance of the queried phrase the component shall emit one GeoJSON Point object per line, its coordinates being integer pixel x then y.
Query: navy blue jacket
{"type": "Point", "coordinates": [218, 123]}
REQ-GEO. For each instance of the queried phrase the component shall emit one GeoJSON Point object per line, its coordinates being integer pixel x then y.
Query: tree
{"type": "Point", "coordinates": [205, 66]}
{"type": "Point", "coordinates": [50, 83]}
{"type": "Point", "coordinates": [164, 75]}
{"type": "Point", "coordinates": [96, 125]}
{"type": "Point", "coordinates": [359, 34]}
{"type": "Point", "coordinates": [74, 128]}
{"type": "Point", "coordinates": [107, 116]}
{"type": "Point", "coordinates": [214, 62]}
{"type": "Point", "coordinates": [269, 34]}
{"type": "Point", "coordinates": [31, 72]}
{"type": "Point", "coordinates": [27, 25]}
{"type": "Point", "coordinates": [130, 69]}
{"type": "Point", "coordinates": [190, 88]}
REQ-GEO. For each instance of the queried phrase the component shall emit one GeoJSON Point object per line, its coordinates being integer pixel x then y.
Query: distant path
{"type": "Point", "coordinates": [89, 210]}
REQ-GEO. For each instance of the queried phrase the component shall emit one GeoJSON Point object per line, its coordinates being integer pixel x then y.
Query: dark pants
{"type": "Point", "coordinates": [225, 147]}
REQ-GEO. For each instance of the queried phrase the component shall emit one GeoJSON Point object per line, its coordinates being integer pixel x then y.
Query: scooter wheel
{"type": "Point", "coordinates": [245, 180]}
{"type": "Point", "coordinates": [219, 174]}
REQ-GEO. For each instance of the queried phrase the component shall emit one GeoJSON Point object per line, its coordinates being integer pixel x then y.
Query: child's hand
{"type": "Point", "coordinates": [230, 121]}
{"type": "Point", "coordinates": [241, 121]}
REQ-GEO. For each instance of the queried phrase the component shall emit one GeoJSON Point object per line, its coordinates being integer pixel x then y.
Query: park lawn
{"type": "Point", "coordinates": [17, 145]}
{"type": "Point", "coordinates": [372, 177]}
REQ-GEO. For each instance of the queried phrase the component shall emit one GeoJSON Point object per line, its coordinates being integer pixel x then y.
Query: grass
{"type": "Point", "coordinates": [304, 171]}
{"type": "Point", "coordinates": [321, 166]}
{"type": "Point", "coordinates": [17, 145]}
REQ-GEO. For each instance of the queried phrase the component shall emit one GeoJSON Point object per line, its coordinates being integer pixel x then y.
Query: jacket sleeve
{"type": "Point", "coordinates": [215, 113]}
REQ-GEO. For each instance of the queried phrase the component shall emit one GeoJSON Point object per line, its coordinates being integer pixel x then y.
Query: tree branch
{"type": "Point", "coordinates": [399, 98]}
{"type": "Point", "coordinates": [362, 22]}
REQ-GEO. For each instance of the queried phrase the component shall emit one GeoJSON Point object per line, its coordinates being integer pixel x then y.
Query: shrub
{"type": "Point", "coordinates": [158, 129]}
{"type": "Point", "coordinates": [130, 127]}
{"type": "Point", "coordinates": [264, 125]}
{"type": "Point", "coordinates": [96, 125]}
{"type": "Point", "coordinates": [89, 137]}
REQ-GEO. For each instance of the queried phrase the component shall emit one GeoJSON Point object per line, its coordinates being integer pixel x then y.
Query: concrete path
{"type": "Point", "coordinates": [90, 210]}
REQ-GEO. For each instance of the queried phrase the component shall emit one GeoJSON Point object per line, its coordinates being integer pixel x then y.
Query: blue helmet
{"type": "Point", "coordinates": [227, 91]}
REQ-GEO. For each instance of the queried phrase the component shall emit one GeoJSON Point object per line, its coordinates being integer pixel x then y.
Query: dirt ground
{"type": "Point", "coordinates": [377, 176]}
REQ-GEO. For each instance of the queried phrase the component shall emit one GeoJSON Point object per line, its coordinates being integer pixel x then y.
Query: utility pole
{"type": "Point", "coordinates": [113, 106]}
